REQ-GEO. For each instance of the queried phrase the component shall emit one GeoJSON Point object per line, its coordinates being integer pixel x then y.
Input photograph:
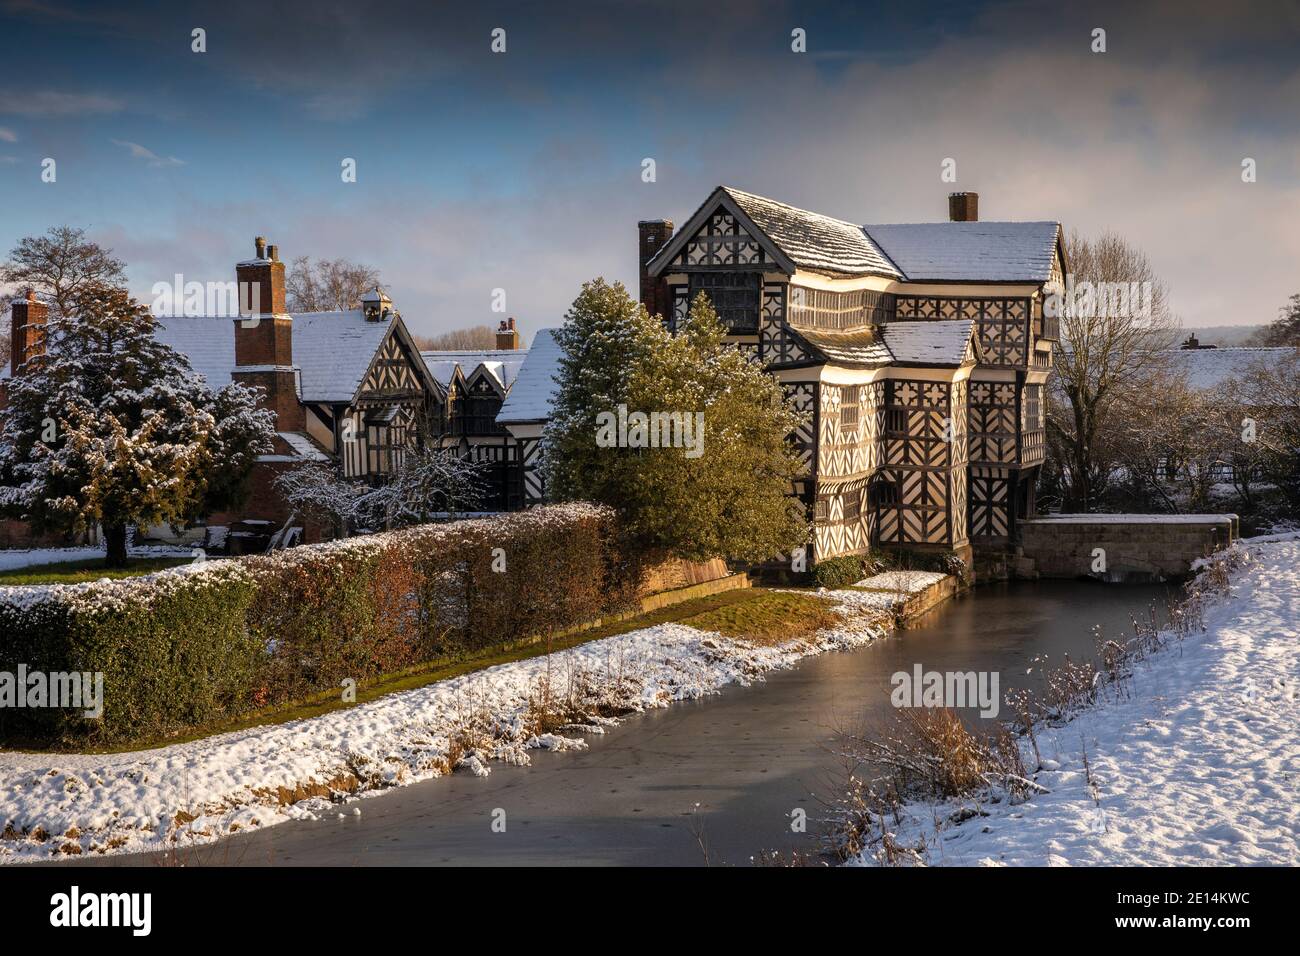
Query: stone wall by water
{"type": "Point", "coordinates": [1132, 547]}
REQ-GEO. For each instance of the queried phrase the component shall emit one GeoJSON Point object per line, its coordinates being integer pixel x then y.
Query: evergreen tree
{"type": "Point", "coordinates": [111, 426]}
{"type": "Point", "coordinates": [723, 495]}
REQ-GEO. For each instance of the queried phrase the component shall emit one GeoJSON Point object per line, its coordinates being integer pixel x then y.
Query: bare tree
{"type": "Point", "coordinates": [475, 338]}
{"type": "Point", "coordinates": [1285, 329]}
{"type": "Point", "coordinates": [1115, 326]}
{"type": "Point", "coordinates": [327, 285]}
{"type": "Point", "coordinates": [62, 264]}
{"type": "Point", "coordinates": [1268, 399]}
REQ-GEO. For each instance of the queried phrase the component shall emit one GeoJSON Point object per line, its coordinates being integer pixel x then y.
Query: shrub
{"type": "Point", "coordinates": [849, 569]}
{"type": "Point", "coordinates": [183, 649]}
{"type": "Point", "coordinates": [839, 572]}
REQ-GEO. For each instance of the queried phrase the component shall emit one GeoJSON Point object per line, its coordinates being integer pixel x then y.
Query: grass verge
{"type": "Point", "coordinates": [86, 569]}
{"type": "Point", "coordinates": [771, 618]}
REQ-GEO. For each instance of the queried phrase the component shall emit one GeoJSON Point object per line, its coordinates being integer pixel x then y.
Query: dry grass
{"type": "Point", "coordinates": [771, 617]}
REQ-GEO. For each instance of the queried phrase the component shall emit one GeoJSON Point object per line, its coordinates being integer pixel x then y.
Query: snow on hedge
{"type": "Point", "coordinates": [199, 791]}
{"type": "Point", "coordinates": [1197, 763]}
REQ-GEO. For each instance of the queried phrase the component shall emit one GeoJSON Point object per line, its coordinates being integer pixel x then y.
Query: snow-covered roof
{"type": "Point", "coordinates": [927, 342]}
{"type": "Point", "coordinates": [502, 364]}
{"type": "Point", "coordinates": [303, 446]}
{"type": "Point", "coordinates": [970, 251]}
{"type": "Point", "coordinates": [1213, 368]}
{"type": "Point", "coordinates": [811, 240]}
{"type": "Point", "coordinates": [208, 343]}
{"type": "Point", "coordinates": [914, 252]}
{"type": "Point", "coordinates": [859, 347]}
{"type": "Point", "coordinates": [530, 398]}
{"type": "Point", "coordinates": [334, 350]}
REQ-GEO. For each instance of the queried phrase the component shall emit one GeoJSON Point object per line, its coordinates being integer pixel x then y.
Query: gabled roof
{"type": "Point", "coordinates": [502, 364]}
{"type": "Point", "coordinates": [914, 252]}
{"type": "Point", "coordinates": [332, 350]}
{"type": "Point", "coordinates": [796, 238]}
{"type": "Point", "coordinates": [813, 241]}
{"type": "Point", "coordinates": [531, 396]}
{"type": "Point", "coordinates": [929, 342]}
{"type": "Point", "coordinates": [970, 251]}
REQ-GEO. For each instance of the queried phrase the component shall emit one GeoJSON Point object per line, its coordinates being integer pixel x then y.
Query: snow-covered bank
{"type": "Point", "coordinates": [1195, 760]}
{"type": "Point", "coordinates": [200, 791]}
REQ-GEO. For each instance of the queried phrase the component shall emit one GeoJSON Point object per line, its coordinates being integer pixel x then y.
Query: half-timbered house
{"type": "Point", "coordinates": [474, 386]}
{"type": "Point", "coordinates": [346, 387]}
{"type": "Point", "coordinates": [916, 352]}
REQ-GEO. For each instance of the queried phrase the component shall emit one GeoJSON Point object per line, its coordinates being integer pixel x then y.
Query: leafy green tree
{"type": "Point", "coordinates": [111, 426]}
{"type": "Point", "coordinates": [713, 481]}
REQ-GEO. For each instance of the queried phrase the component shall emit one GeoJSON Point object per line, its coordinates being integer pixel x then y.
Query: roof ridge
{"type": "Point", "coordinates": [807, 212]}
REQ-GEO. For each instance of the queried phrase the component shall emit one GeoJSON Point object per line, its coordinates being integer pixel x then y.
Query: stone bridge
{"type": "Point", "coordinates": [1123, 547]}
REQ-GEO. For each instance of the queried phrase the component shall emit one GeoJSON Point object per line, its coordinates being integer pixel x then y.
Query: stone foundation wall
{"type": "Point", "coordinates": [1134, 547]}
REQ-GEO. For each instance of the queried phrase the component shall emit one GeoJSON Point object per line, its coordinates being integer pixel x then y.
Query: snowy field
{"type": "Point", "coordinates": [197, 792]}
{"type": "Point", "coordinates": [1198, 764]}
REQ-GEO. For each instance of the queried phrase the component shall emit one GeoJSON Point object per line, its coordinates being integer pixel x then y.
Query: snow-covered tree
{"type": "Point", "coordinates": [431, 483]}
{"type": "Point", "coordinates": [110, 426]}
{"type": "Point", "coordinates": [318, 493]}
{"type": "Point", "coordinates": [721, 492]}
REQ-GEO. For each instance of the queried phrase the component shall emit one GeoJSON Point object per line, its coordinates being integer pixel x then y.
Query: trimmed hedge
{"type": "Point", "coordinates": [214, 641]}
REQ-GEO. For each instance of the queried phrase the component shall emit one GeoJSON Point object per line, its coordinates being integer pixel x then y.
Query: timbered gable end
{"type": "Point", "coordinates": [396, 399]}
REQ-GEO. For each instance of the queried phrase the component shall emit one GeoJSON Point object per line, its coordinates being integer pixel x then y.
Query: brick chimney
{"type": "Point", "coordinates": [964, 207]}
{"type": "Point", "coordinates": [652, 234]}
{"type": "Point", "coordinates": [507, 334]}
{"type": "Point", "coordinates": [264, 337]}
{"type": "Point", "coordinates": [27, 319]}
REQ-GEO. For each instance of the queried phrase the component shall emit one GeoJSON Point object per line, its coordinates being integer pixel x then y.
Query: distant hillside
{"type": "Point", "coordinates": [1223, 335]}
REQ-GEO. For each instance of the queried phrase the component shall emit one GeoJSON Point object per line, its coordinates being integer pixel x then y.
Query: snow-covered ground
{"type": "Point", "coordinates": [1197, 763]}
{"type": "Point", "coordinates": [11, 558]}
{"type": "Point", "coordinates": [908, 582]}
{"type": "Point", "coordinates": [72, 804]}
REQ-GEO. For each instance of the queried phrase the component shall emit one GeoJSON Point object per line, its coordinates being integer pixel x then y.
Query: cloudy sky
{"type": "Point", "coordinates": [479, 170]}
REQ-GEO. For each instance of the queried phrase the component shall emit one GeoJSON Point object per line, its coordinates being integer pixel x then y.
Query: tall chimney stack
{"type": "Point", "coordinates": [264, 337]}
{"type": "Point", "coordinates": [652, 234]}
{"type": "Point", "coordinates": [964, 207]}
{"type": "Point", "coordinates": [27, 319]}
{"type": "Point", "coordinates": [507, 335]}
